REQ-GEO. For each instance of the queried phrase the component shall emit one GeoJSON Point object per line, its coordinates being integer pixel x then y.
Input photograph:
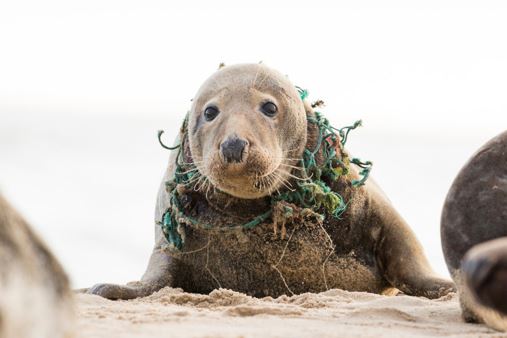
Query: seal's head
{"type": "Point", "coordinates": [247, 129]}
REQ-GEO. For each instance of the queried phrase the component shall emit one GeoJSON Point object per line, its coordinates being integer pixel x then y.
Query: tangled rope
{"type": "Point", "coordinates": [312, 196]}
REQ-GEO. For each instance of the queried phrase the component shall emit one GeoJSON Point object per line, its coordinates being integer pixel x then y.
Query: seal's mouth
{"type": "Point", "coordinates": [259, 175]}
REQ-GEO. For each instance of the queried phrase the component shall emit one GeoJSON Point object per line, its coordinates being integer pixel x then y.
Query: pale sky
{"type": "Point", "coordinates": [436, 62]}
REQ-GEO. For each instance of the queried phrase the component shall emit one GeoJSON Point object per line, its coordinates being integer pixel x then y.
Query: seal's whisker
{"type": "Point", "coordinates": [290, 166]}
{"type": "Point", "coordinates": [268, 174]}
{"type": "Point", "coordinates": [278, 168]}
{"type": "Point", "coordinates": [277, 189]}
{"type": "Point", "coordinates": [288, 185]}
{"type": "Point", "coordinates": [283, 181]}
{"type": "Point", "coordinates": [271, 181]}
{"type": "Point", "coordinates": [262, 185]}
{"type": "Point", "coordinates": [265, 182]}
{"type": "Point", "coordinates": [286, 158]}
{"type": "Point", "coordinates": [274, 182]}
{"type": "Point", "coordinates": [291, 171]}
{"type": "Point", "coordinates": [290, 157]}
{"type": "Point", "coordinates": [259, 183]}
{"type": "Point", "coordinates": [272, 188]}
{"type": "Point", "coordinates": [294, 176]}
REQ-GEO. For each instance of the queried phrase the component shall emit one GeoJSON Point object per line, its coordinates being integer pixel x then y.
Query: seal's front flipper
{"type": "Point", "coordinates": [431, 286]}
{"type": "Point", "coordinates": [402, 259]}
{"type": "Point", "coordinates": [156, 277]}
{"type": "Point", "coordinates": [114, 291]}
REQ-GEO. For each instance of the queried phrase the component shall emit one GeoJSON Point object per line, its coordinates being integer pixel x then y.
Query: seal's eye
{"type": "Point", "coordinates": [210, 113]}
{"type": "Point", "coordinates": [269, 109]}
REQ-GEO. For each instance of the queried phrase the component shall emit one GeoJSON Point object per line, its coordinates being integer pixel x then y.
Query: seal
{"type": "Point", "coordinates": [35, 300]}
{"type": "Point", "coordinates": [473, 231]}
{"type": "Point", "coordinates": [260, 197]}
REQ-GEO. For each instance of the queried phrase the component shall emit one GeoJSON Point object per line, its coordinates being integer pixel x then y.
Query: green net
{"type": "Point", "coordinates": [312, 195]}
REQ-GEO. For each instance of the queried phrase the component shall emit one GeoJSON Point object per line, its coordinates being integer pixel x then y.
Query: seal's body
{"type": "Point", "coordinates": [246, 134]}
{"type": "Point", "coordinates": [474, 227]}
{"type": "Point", "coordinates": [35, 298]}
{"type": "Point", "coordinates": [309, 258]}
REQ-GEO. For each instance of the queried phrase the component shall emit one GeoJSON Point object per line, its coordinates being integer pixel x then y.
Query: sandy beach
{"type": "Point", "coordinates": [224, 313]}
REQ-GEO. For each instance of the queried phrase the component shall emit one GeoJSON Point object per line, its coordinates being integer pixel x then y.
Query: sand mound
{"type": "Point", "coordinates": [224, 313]}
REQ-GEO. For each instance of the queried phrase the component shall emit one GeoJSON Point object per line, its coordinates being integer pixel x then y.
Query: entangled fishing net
{"type": "Point", "coordinates": [310, 196]}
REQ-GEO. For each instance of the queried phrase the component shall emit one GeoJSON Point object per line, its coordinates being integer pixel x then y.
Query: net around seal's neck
{"type": "Point", "coordinates": [323, 162]}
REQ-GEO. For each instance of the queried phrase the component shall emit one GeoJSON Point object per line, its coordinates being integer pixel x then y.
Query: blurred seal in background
{"type": "Point", "coordinates": [474, 230]}
{"type": "Point", "coordinates": [35, 297]}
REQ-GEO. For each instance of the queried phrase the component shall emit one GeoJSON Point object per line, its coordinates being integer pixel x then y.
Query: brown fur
{"type": "Point", "coordinates": [369, 249]}
{"type": "Point", "coordinates": [34, 289]}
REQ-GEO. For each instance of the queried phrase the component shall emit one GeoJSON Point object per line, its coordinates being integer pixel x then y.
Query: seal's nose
{"type": "Point", "coordinates": [233, 149]}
